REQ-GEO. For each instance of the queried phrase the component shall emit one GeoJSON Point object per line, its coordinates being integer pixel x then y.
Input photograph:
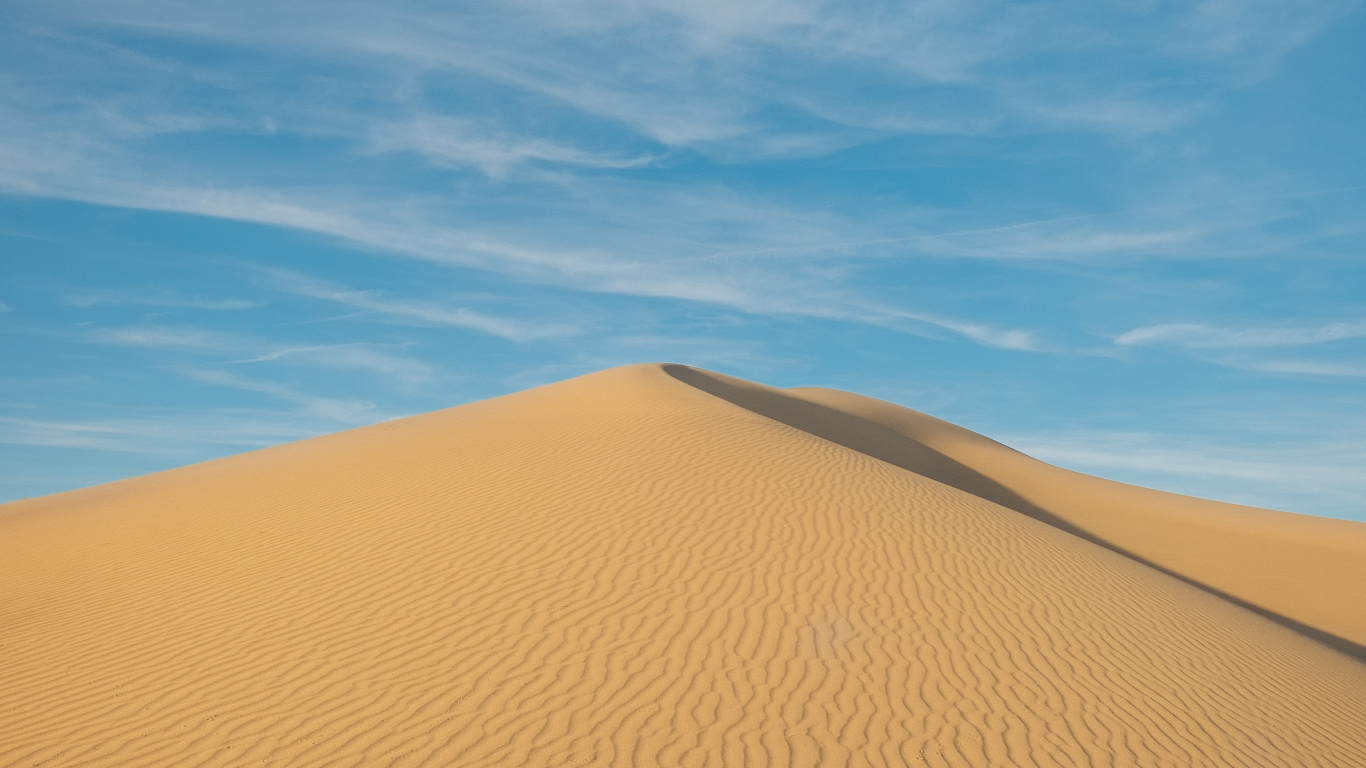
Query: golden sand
{"type": "Point", "coordinates": [656, 566]}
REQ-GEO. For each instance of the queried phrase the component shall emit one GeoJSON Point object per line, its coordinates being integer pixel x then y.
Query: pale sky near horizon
{"type": "Point", "coordinates": [1127, 238]}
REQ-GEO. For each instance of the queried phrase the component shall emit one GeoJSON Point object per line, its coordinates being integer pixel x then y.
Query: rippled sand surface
{"type": "Point", "coordinates": [656, 566]}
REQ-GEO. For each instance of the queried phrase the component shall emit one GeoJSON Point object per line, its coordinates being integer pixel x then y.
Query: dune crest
{"type": "Point", "coordinates": [624, 569]}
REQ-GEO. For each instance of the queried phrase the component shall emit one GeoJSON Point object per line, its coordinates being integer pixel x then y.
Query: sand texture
{"type": "Point", "coordinates": [658, 566]}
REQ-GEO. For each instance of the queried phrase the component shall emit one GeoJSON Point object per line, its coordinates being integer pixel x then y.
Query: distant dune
{"type": "Point", "coordinates": [661, 566]}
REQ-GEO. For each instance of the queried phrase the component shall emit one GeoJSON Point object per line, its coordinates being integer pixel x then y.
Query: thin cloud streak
{"type": "Point", "coordinates": [347, 411]}
{"type": "Point", "coordinates": [170, 435]}
{"type": "Point", "coordinates": [455, 142]}
{"type": "Point", "coordinates": [353, 356]}
{"type": "Point", "coordinates": [425, 312]}
{"type": "Point", "coordinates": [1309, 368]}
{"type": "Point", "coordinates": [1306, 475]}
{"type": "Point", "coordinates": [162, 298]}
{"type": "Point", "coordinates": [166, 337]}
{"type": "Point", "coordinates": [1201, 336]}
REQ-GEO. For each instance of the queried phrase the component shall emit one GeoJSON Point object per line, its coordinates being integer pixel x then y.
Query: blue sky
{"type": "Point", "coordinates": [1127, 238]}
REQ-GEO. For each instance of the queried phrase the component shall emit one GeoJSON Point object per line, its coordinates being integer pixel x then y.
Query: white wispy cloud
{"type": "Point", "coordinates": [359, 356]}
{"type": "Point", "coordinates": [1154, 453]}
{"type": "Point", "coordinates": [1202, 336]}
{"type": "Point", "coordinates": [158, 298]}
{"type": "Point", "coordinates": [630, 79]}
{"type": "Point", "coordinates": [454, 142]}
{"type": "Point", "coordinates": [1308, 368]}
{"type": "Point", "coordinates": [670, 274]}
{"type": "Point", "coordinates": [1230, 228]}
{"type": "Point", "coordinates": [165, 433]}
{"type": "Point", "coordinates": [667, 275]}
{"type": "Point", "coordinates": [1203, 219]}
{"type": "Point", "coordinates": [344, 410]}
{"type": "Point", "coordinates": [167, 337]}
{"type": "Point", "coordinates": [353, 356]}
{"type": "Point", "coordinates": [1312, 476]}
{"type": "Point", "coordinates": [1017, 339]}
{"type": "Point", "coordinates": [421, 311]}
{"type": "Point", "coordinates": [698, 73]}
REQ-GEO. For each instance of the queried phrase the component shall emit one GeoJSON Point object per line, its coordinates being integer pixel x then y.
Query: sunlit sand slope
{"type": "Point", "coordinates": [1310, 572]}
{"type": "Point", "coordinates": [620, 570]}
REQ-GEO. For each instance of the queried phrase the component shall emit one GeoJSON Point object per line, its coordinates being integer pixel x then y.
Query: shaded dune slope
{"type": "Point", "coordinates": [1307, 573]}
{"type": "Point", "coordinates": [624, 570]}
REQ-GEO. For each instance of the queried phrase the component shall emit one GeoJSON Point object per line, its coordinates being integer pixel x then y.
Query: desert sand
{"type": "Point", "coordinates": [660, 566]}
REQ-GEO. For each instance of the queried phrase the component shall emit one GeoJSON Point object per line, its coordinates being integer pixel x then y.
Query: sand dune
{"type": "Point", "coordinates": [656, 566]}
